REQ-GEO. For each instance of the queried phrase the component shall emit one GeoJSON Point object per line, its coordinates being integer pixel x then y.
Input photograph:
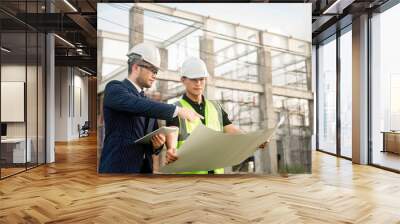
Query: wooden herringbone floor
{"type": "Point", "coordinates": [70, 191]}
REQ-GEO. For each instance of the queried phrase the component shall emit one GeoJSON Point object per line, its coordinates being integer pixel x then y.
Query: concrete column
{"type": "Point", "coordinates": [163, 86]}
{"type": "Point", "coordinates": [310, 88]}
{"type": "Point", "coordinates": [360, 90]}
{"type": "Point", "coordinates": [50, 99]}
{"type": "Point", "coordinates": [206, 50]}
{"type": "Point", "coordinates": [50, 92]}
{"type": "Point", "coordinates": [136, 26]}
{"type": "Point", "coordinates": [310, 130]}
{"type": "Point", "coordinates": [266, 161]}
{"type": "Point", "coordinates": [99, 59]}
{"type": "Point", "coordinates": [287, 140]}
{"type": "Point", "coordinates": [313, 109]}
{"type": "Point", "coordinates": [99, 121]}
{"type": "Point", "coordinates": [164, 58]}
{"type": "Point", "coordinates": [100, 128]}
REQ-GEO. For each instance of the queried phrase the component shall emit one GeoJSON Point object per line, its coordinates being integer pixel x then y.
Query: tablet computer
{"type": "Point", "coordinates": [163, 130]}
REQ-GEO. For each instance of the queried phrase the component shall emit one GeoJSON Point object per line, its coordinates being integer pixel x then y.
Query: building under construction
{"type": "Point", "coordinates": [257, 76]}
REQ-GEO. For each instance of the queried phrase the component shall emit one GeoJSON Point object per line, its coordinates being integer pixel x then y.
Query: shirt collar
{"type": "Point", "coordinates": [185, 97]}
{"type": "Point", "coordinates": [136, 86]}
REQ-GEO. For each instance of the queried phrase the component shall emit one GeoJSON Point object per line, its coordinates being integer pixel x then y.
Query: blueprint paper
{"type": "Point", "coordinates": [206, 149]}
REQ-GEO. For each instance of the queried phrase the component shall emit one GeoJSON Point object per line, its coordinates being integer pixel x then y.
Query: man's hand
{"type": "Point", "coordinates": [262, 146]}
{"type": "Point", "coordinates": [158, 140]}
{"type": "Point", "coordinates": [188, 114]}
{"type": "Point", "coordinates": [171, 155]}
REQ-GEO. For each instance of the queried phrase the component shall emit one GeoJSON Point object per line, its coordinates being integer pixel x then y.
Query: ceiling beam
{"type": "Point", "coordinates": [181, 34]}
{"type": "Point", "coordinates": [84, 24]}
{"type": "Point", "coordinates": [82, 61]}
{"type": "Point", "coordinates": [337, 6]}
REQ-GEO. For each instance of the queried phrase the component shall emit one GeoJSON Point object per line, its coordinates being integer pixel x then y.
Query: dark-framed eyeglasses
{"type": "Point", "coordinates": [151, 68]}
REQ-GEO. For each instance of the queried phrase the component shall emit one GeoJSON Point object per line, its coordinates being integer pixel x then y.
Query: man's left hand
{"type": "Point", "coordinates": [158, 140]}
{"type": "Point", "coordinates": [262, 146]}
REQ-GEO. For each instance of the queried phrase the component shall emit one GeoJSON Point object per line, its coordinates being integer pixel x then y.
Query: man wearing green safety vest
{"type": "Point", "coordinates": [193, 76]}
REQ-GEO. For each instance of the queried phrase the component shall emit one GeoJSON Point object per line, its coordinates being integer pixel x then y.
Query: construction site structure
{"type": "Point", "coordinates": [257, 76]}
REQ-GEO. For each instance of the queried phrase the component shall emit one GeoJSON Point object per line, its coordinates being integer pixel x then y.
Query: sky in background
{"type": "Point", "coordinates": [288, 19]}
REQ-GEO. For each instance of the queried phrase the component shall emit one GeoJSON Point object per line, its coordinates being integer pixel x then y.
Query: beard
{"type": "Point", "coordinates": [143, 82]}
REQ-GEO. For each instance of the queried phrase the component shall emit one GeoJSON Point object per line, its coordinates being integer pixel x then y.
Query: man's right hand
{"type": "Point", "coordinates": [188, 114]}
{"type": "Point", "coordinates": [171, 155]}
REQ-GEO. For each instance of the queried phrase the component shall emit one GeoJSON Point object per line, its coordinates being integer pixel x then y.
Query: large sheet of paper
{"type": "Point", "coordinates": [207, 149]}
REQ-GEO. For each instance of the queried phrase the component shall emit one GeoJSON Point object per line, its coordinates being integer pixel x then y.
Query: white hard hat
{"type": "Point", "coordinates": [148, 52]}
{"type": "Point", "coordinates": [194, 68]}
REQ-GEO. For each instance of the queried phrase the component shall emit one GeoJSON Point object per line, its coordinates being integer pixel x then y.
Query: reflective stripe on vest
{"type": "Point", "coordinates": [213, 116]}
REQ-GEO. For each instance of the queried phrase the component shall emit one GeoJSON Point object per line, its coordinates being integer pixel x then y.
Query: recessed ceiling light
{"type": "Point", "coordinates": [64, 40]}
{"type": "Point", "coordinates": [70, 5]}
{"type": "Point", "coordinates": [86, 72]}
{"type": "Point", "coordinates": [338, 6]}
{"type": "Point", "coordinates": [5, 50]}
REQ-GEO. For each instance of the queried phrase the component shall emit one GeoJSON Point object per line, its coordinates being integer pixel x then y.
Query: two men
{"type": "Point", "coordinates": [129, 115]}
{"type": "Point", "coordinates": [194, 76]}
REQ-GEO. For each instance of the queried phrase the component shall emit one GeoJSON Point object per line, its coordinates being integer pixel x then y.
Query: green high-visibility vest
{"type": "Point", "coordinates": [213, 120]}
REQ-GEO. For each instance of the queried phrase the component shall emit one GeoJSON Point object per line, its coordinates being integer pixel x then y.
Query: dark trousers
{"type": "Point", "coordinates": [146, 166]}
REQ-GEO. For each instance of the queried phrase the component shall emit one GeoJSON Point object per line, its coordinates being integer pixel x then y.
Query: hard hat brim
{"type": "Point", "coordinates": [195, 76]}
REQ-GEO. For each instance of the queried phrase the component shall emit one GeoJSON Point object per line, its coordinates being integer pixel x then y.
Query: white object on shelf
{"type": "Point", "coordinates": [12, 101]}
{"type": "Point", "coordinates": [19, 155]}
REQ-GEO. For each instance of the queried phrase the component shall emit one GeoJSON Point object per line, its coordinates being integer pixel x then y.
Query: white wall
{"type": "Point", "coordinates": [14, 73]}
{"type": "Point", "coordinates": [61, 103]}
{"type": "Point", "coordinates": [33, 126]}
{"type": "Point", "coordinates": [71, 94]}
{"type": "Point", "coordinates": [80, 100]}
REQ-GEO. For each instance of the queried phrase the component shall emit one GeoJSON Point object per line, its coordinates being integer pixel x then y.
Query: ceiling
{"type": "Point", "coordinates": [76, 21]}
{"type": "Point", "coordinates": [332, 15]}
